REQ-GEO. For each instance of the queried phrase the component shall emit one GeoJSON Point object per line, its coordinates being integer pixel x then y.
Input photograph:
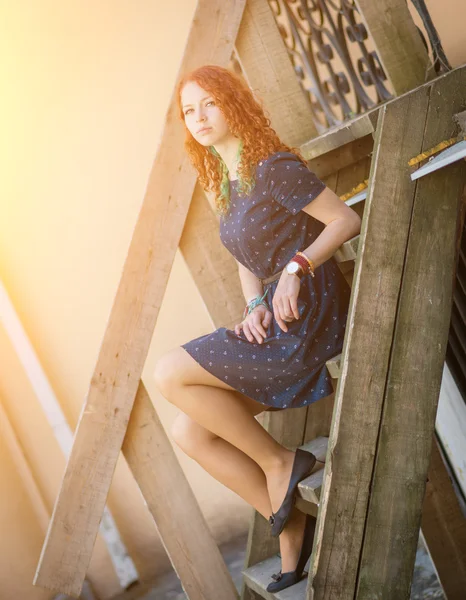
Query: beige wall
{"type": "Point", "coordinates": [85, 87]}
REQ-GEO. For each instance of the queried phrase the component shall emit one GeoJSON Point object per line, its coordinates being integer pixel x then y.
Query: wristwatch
{"type": "Point", "coordinates": [294, 268]}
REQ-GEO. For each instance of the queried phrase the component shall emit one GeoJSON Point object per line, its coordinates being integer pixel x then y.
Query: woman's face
{"type": "Point", "coordinates": [202, 116]}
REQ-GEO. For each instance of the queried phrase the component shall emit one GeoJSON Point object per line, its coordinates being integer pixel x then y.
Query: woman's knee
{"type": "Point", "coordinates": [167, 373]}
{"type": "Point", "coordinates": [189, 435]}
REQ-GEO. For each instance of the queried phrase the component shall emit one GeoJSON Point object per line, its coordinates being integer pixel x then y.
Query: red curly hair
{"type": "Point", "coordinates": [246, 120]}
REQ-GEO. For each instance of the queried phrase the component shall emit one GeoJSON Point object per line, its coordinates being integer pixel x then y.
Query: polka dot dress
{"type": "Point", "coordinates": [263, 231]}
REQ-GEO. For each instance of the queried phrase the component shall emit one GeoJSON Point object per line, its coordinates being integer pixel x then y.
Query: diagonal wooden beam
{"type": "Point", "coordinates": [171, 501]}
{"type": "Point", "coordinates": [398, 43]}
{"type": "Point", "coordinates": [268, 69]}
{"type": "Point", "coordinates": [212, 267]}
{"type": "Point", "coordinates": [105, 414]}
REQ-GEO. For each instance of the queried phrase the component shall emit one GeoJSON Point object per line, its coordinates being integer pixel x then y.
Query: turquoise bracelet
{"type": "Point", "coordinates": [255, 302]}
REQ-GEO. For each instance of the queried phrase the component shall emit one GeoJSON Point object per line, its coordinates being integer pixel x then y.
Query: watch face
{"type": "Point", "coordinates": [292, 267]}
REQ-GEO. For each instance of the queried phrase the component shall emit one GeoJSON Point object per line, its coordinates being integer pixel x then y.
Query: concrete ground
{"type": "Point", "coordinates": [425, 584]}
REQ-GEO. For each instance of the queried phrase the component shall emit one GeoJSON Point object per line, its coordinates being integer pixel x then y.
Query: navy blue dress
{"type": "Point", "coordinates": [263, 231]}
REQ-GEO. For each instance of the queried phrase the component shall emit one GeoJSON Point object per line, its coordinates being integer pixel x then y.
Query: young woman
{"type": "Point", "coordinates": [282, 225]}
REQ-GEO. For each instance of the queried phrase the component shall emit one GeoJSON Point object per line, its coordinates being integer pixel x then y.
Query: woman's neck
{"type": "Point", "coordinates": [228, 151]}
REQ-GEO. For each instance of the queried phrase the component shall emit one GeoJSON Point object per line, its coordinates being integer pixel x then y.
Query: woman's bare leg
{"type": "Point", "coordinates": [229, 442]}
{"type": "Point", "coordinates": [224, 462]}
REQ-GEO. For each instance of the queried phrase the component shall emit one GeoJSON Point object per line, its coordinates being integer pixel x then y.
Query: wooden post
{"type": "Point", "coordinates": [105, 414]}
{"type": "Point", "coordinates": [268, 69]}
{"type": "Point", "coordinates": [365, 356]}
{"type": "Point", "coordinates": [397, 41]}
{"type": "Point", "coordinates": [416, 362]}
{"type": "Point", "coordinates": [170, 499]}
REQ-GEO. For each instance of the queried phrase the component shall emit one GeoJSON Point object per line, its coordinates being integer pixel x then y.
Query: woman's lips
{"type": "Point", "coordinates": [205, 130]}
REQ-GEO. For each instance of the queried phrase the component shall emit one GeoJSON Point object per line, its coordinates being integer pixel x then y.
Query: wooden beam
{"type": "Point", "coordinates": [268, 69]}
{"type": "Point", "coordinates": [398, 43]}
{"type": "Point", "coordinates": [444, 528]}
{"type": "Point", "coordinates": [416, 362]}
{"type": "Point", "coordinates": [342, 156]}
{"type": "Point", "coordinates": [171, 501]}
{"type": "Point", "coordinates": [359, 395]}
{"type": "Point", "coordinates": [212, 267]}
{"type": "Point", "coordinates": [350, 131]}
{"type": "Point", "coordinates": [27, 356]}
{"type": "Point", "coordinates": [443, 524]}
{"type": "Point", "coordinates": [105, 414]}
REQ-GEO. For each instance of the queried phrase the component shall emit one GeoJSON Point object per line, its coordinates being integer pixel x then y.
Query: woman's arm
{"type": "Point", "coordinates": [341, 224]}
{"type": "Point", "coordinates": [250, 284]}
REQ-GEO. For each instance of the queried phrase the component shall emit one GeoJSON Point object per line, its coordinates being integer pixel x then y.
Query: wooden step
{"type": "Point", "coordinates": [309, 488]}
{"type": "Point", "coordinates": [258, 577]}
{"type": "Point", "coordinates": [348, 250]}
{"type": "Point", "coordinates": [334, 366]}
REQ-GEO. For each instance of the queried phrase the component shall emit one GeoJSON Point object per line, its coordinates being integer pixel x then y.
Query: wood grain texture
{"type": "Point", "coordinates": [105, 414]}
{"type": "Point", "coordinates": [268, 69]}
{"type": "Point", "coordinates": [212, 267]}
{"type": "Point", "coordinates": [350, 131]}
{"type": "Point", "coordinates": [398, 43]}
{"type": "Point", "coordinates": [444, 528]}
{"type": "Point", "coordinates": [359, 395]}
{"type": "Point", "coordinates": [416, 363]}
{"type": "Point", "coordinates": [341, 157]}
{"type": "Point", "coordinates": [171, 501]}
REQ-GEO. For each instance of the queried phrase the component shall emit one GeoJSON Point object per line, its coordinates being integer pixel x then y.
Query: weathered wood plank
{"type": "Point", "coordinates": [105, 414]}
{"type": "Point", "coordinates": [348, 250]}
{"type": "Point", "coordinates": [351, 131]}
{"type": "Point", "coordinates": [416, 364]}
{"type": "Point", "coordinates": [444, 528]}
{"type": "Point", "coordinates": [268, 70]}
{"type": "Point", "coordinates": [212, 267]}
{"type": "Point", "coordinates": [399, 46]}
{"type": "Point", "coordinates": [443, 523]}
{"type": "Point", "coordinates": [341, 157]}
{"type": "Point", "coordinates": [259, 576]}
{"type": "Point", "coordinates": [171, 501]}
{"type": "Point", "coordinates": [359, 395]}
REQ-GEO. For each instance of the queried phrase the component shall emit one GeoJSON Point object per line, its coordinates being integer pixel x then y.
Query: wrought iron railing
{"type": "Point", "coordinates": [335, 59]}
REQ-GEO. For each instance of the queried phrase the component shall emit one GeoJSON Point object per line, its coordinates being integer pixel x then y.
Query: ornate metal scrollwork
{"type": "Point", "coordinates": [335, 58]}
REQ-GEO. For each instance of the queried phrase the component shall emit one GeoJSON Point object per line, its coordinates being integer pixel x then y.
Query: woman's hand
{"type": "Point", "coordinates": [255, 324]}
{"type": "Point", "coordinates": [285, 299]}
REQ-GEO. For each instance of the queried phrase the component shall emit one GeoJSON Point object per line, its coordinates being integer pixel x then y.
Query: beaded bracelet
{"type": "Point", "coordinates": [251, 305]}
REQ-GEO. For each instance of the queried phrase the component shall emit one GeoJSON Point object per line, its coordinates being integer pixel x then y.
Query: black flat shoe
{"type": "Point", "coordinates": [302, 466]}
{"type": "Point", "coordinates": [284, 580]}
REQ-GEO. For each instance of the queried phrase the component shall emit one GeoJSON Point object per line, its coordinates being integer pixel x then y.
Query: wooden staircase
{"type": "Point", "coordinates": [368, 498]}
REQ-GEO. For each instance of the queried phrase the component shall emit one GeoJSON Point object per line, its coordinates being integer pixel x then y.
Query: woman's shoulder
{"type": "Point", "coordinates": [278, 163]}
{"type": "Point", "coordinates": [281, 160]}
{"type": "Point", "coordinates": [282, 156]}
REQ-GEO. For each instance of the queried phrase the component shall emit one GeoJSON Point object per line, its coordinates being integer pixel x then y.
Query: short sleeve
{"type": "Point", "coordinates": [291, 183]}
